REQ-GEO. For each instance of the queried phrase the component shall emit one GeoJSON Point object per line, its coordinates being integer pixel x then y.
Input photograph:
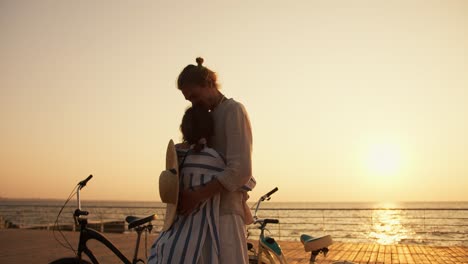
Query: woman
{"type": "Point", "coordinates": [194, 237]}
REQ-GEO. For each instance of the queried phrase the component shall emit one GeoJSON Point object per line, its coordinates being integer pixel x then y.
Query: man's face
{"type": "Point", "coordinates": [197, 95]}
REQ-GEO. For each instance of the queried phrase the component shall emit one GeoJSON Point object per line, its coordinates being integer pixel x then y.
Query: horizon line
{"type": "Point", "coordinates": [253, 200]}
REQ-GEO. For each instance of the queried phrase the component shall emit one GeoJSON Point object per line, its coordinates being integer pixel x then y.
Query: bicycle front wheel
{"type": "Point", "coordinates": [69, 261]}
{"type": "Point", "coordinates": [253, 259]}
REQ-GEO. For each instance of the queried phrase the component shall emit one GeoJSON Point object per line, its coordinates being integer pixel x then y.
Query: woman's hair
{"type": "Point", "coordinates": [197, 124]}
{"type": "Point", "coordinates": [197, 75]}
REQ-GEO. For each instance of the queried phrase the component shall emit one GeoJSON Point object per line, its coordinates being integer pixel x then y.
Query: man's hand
{"type": "Point", "coordinates": [183, 145]}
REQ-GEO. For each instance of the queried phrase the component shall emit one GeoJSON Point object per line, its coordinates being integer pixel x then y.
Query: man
{"type": "Point", "coordinates": [233, 139]}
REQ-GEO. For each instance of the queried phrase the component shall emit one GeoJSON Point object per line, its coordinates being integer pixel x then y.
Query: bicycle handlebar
{"type": "Point", "coordinates": [269, 193]}
{"type": "Point", "coordinates": [83, 182]}
{"type": "Point", "coordinates": [263, 198]}
{"type": "Point", "coordinates": [267, 221]}
{"type": "Point", "coordinates": [78, 212]}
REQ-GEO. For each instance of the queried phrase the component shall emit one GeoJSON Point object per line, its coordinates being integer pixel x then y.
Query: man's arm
{"type": "Point", "coordinates": [238, 150]}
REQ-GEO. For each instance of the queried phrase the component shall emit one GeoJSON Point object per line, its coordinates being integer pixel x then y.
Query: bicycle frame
{"type": "Point", "coordinates": [269, 251]}
{"type": "Point", "coordinates": [87, 233]}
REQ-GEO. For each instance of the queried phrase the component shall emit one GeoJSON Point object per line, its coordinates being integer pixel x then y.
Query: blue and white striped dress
{"type": "Point", "coordinates": [184, 241]}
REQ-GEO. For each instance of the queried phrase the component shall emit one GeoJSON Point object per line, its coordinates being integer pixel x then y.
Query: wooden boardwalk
{"type": "Point", "coordinates": [375, 253]}
{"type": "Point", "coordinates": [39, 246]}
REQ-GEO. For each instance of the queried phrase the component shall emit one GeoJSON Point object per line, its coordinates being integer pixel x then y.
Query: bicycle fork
{"type": "Point", "coordinates": [270, 248]}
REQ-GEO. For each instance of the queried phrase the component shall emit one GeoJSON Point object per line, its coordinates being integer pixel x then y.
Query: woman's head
{"type": "Point", "coordinates": [197, 124]}
{"type": "Point", "coordinates": [198, 84]}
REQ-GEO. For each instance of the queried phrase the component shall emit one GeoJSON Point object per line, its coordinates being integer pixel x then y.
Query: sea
{"type": "Point", "coordinates": [427, 223]}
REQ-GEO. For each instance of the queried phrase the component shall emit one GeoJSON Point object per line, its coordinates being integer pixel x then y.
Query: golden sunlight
{"type": "Point", "coordinates": [384, 159]}
{"type": "Point", "coordinates": [387, 228]}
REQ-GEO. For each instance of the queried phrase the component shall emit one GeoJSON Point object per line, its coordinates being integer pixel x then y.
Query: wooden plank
{"type": "Point", "coordinates": [374, 253]}
{"type": "Point", "coordinates": [417, 249]}
{"type": "Point", "coordinates": [450, 254]}
{"type": "Point", "coordinates": [395, 256]}
{"type": "Point", "coordinates": [462, 254]}
{"type": "Point", "coordinates": [431, 254]}
{"type": "Point", "coordinates": [348, 251]}
{"type": "Point", "coordinates": [361, 257]}
{"type": "Point", "coordinates": [357, 252]}
{"type": "Point", "coordinates": [444, 257]}
{"type": "Point", "coordinates": [408, 255]}
{"type": "Point", "coordinates": [368, 253]}
{"type": "Point", "coordinates": [422, 256]}
{"type": "Point", "coordinates": [388, 254]}
{"type": "Point", "coordinates": [336, 250]}
{"type": "Point", "coordinates": [413, 254]}
{"type": "Point", "coordinates": [381, 254]}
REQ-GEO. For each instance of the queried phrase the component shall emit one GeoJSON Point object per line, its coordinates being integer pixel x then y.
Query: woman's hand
{"type": "Point", "coordinates": [189, 200]}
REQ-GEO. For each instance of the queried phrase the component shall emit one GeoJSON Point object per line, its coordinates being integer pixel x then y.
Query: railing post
{"type": "Point", "coordinates": [279, 225]}
{"type": "Point", "coordinates": [323, 220]}
{"type": "Point", "coordinates": [424, 225]}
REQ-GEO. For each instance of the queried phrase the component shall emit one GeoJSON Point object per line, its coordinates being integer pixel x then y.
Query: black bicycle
{"type": "Point", "coordinates": [140, 225]}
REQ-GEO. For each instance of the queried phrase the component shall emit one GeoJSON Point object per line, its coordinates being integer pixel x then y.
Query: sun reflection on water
{"type": "Point", "coordinates": [387, 227]}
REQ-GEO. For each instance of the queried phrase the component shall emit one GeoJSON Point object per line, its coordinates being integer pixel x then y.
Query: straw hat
{"type": "Point", "coordinates": [169, 185]}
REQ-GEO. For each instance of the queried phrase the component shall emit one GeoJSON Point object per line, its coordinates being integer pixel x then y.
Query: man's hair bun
{"type": "Point", "coordinates": [199, 61]}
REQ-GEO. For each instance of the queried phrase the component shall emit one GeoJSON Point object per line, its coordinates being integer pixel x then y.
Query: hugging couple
{"type": "Point", "coordinates": [207, 178]}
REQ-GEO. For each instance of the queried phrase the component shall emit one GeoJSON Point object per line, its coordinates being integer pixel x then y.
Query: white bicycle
{"type": "Point", "coordinates": [268, 249]}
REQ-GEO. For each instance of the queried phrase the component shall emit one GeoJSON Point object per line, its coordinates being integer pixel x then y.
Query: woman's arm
{"type": "Point", "coordinates": [189, 200]}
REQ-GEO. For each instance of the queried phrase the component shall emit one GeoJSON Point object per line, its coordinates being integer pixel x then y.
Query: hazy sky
{"type": "Point", "coordinates": [349, 100]}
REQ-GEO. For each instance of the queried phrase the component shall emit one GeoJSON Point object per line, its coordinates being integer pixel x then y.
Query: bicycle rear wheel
{"type": "Point", "coordinates": [69, 261]}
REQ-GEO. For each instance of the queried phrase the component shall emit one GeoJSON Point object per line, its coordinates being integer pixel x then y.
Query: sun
{"type": "Point", "coordinates": [384, 159]}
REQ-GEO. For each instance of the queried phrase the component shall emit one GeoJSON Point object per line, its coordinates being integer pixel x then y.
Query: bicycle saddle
{"type": "Point", "coordinates": [134, 221]}
{"type": "Point", "coordinates": [315, 243]}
